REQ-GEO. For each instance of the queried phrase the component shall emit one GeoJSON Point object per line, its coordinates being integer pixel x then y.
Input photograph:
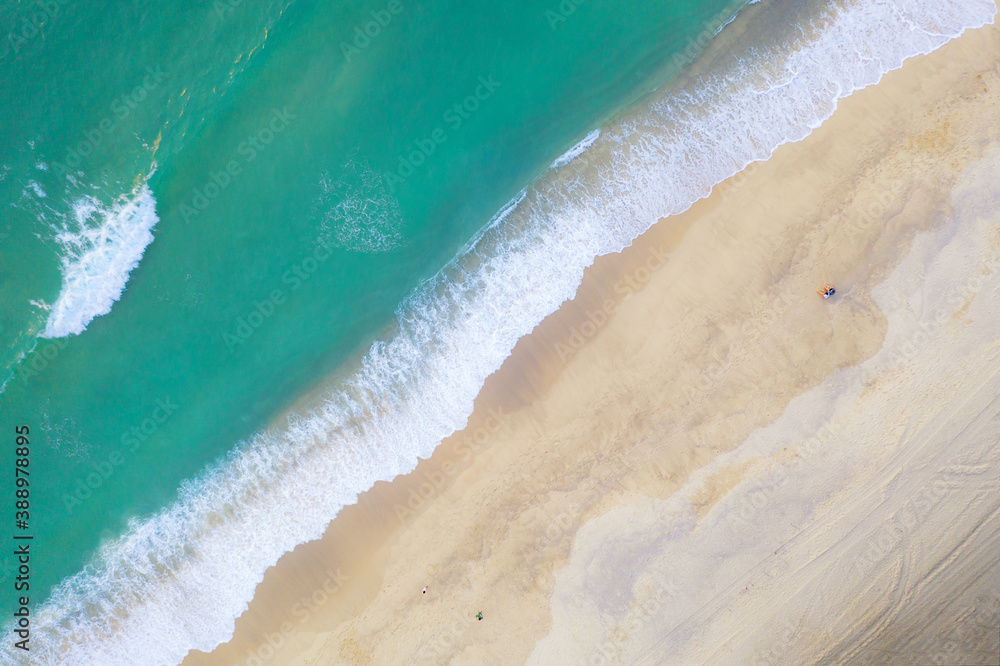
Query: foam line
{"type": "Point", "coordinates": [177, 580]}
{"type": "Point", "coordinates": [99, 252]}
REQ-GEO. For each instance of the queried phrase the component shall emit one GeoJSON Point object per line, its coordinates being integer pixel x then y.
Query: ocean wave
{"type": "Point", "coordinates": [100, 250]}
{"type": "Point", "coordinates": [37, 189]}
{"type": "Point", "coordinates": [177, 581]}
{"type": "Point", "coordinates": [577, 150]}
{"type": "Point", "coordinates": [359, 212]}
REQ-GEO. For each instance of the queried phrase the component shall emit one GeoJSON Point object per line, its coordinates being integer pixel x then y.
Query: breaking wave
{"type": "Point", "coordinates": [178, 580]}
{"type": "Point", "coordinates": [100, 249]}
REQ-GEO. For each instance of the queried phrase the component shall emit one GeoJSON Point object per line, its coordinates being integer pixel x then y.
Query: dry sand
{"type": "Point", "coordinates": [699, 460]}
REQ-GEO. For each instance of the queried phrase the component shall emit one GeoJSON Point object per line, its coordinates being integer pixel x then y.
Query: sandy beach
{"type": "Point", "coordinates": [698, 459]}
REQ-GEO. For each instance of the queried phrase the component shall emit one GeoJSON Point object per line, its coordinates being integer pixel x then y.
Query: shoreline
{"type": "Point", "coordinates": [552, 375]}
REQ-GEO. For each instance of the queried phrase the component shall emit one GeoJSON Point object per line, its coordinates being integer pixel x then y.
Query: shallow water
{"type": "Point", "coordinates": [271, 196]}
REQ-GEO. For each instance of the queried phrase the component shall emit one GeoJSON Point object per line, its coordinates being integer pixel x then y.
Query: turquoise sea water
{"type": "Point", "coordinates": [265, 136]}
{"type": "Point", "coordinates": [209, 209]}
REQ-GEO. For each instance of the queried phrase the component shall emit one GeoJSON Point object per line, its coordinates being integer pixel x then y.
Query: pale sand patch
{"type": "Point", "coordinates": [641, 493]}
{"type": "Point", "coordinates": [870, 537]}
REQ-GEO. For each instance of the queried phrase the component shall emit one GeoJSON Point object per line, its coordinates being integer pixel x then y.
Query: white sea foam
{"type": "Point", "coordinates": [358, 209]}
{"type": "Point", "coordinates": [577, 150]}
{"type": "Point", "coordinates": [496, 220]}
{"type": "Point", "coordinates": [502, 214]}
{"type": "Point", "coordinates": [37, 189]}
{"type": "Point", "coordinates": [100, 249]}
{"type": "Point", "coordinates": [178, 580]}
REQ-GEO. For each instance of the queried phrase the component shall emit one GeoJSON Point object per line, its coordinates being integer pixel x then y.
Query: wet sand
{"type": "Point", "coordinates": [698, 459]}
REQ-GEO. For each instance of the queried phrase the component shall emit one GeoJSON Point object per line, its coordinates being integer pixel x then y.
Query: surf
{"type": "Point", "coordinates": [101, 247]}
{"type": "Point", "coordinates": [177, 580]}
